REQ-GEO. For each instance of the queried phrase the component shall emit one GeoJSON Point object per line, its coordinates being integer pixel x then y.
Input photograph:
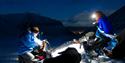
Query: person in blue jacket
{"type": "Point", "coordinates": [105, 31]}
{"type": "Point", "coordinates": [28, 43]}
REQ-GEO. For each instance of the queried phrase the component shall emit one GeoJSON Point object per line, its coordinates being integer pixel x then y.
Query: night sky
{"type": "Point", "coordinates": [59, 9]}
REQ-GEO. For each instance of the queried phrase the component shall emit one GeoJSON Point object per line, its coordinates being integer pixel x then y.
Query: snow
{"type": "Point", "coordinates": [78, 47]}
{"type": "Point", "coordinates": [8, 47]}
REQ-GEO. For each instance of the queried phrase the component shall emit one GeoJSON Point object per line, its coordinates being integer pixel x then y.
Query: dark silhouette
{"type": "Point", "coordinates": [118, 19]}
{"type": "Point", "coordinates": [119, 52]}
{"type": "Point", "coordinates": [70, 55]}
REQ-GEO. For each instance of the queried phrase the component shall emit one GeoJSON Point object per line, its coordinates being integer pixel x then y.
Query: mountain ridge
{"type": "Point", "coordinates": [16, 24]}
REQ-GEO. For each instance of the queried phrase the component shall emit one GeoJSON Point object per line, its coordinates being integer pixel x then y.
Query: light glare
{"type": "Point", "coordinates": [93, 16]}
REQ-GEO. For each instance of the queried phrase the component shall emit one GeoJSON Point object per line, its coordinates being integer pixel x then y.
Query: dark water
{"type": "Point", "coordinates": [8, 49]}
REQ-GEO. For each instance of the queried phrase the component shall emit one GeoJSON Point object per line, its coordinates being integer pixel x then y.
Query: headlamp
{"type": "Point", "coordinates": [93, 17]}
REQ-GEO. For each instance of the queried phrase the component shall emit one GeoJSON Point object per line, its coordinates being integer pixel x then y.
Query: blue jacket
{"type": "Point", "coordinates": [105, 26]}
{"type": "Point", "coordinates": [28, 42]}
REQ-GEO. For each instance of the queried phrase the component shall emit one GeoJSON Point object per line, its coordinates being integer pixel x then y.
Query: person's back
{"type": "Point", "coordinates": [105, 25]}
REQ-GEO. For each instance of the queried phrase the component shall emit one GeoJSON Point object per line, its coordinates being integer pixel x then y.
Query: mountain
{"type": "Point", "coordinates": [84, 29]}
{"type": "Point", "coordinates": [118, 19]}
{"type": "Point", "coordinates": [80, 19]}
{"type": "Point", "coordinates": [53, 30]}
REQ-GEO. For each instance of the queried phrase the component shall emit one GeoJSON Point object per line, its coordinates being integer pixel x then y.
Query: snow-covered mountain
{"type": "Point", "coordinates": [80, 19]}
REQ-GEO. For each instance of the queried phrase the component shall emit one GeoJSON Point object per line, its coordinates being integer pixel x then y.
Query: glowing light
{"type": "Point", "coordinates": [93, 16]}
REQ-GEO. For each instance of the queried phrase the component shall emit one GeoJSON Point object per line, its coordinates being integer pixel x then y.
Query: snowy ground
{"type": "Point", "coordinates": [9, 46]}
{"type": "Point", "coordinates": [80, 49]}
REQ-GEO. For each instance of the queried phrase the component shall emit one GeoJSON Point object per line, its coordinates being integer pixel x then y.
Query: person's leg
{"type": "Point", "coordinates": [101, 44]}
{"type": "Point", "coordinates": [112, 44]}
{"type": "Point", "coordinates": [108, 49]}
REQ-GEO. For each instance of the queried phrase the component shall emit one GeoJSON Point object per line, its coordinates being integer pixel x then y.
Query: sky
{"type": "Point", "coordinates": [59, 9]}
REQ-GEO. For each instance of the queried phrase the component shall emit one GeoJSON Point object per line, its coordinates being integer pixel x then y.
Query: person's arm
{"type": "Point", "coordinates": [101, 31]}
{"type": "Point", "coordinates": [38, 41]}
{"type": "Point", "coordinates": [105, 26]}
{"type": "Point", "coordinates": [101, 26]}
{"type": "Point", "coordinates": [43, 46]}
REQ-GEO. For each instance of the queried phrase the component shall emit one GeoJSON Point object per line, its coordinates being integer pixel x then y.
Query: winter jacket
{"type": "Point", "coordinates": [28, 42]}
{"type": "Point", "coordinates": [104, 27]}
